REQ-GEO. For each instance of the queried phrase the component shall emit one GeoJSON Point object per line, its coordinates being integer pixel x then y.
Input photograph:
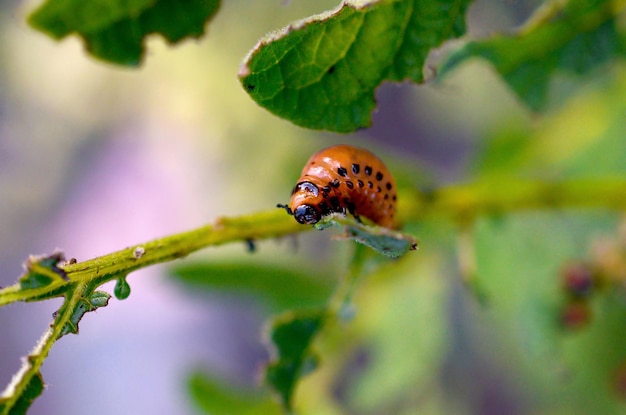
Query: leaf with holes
{"type": "Point", "coordinates": [19, 406]}
{"type": "Point", "coordinates": [321, 73]}
{"type": "Point", "coordinates": [42, 270]}
{"type": "Point", "coordinates": [84, 305]}
{"type": "Point", "coordinates": [385, 241]}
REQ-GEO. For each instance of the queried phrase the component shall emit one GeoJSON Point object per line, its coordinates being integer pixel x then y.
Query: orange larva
{"type": "Point", "coordinates": [342, 179]}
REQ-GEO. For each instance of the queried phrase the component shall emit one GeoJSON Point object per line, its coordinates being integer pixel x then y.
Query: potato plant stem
{"type": "Point", "coordinates": [459, 202]}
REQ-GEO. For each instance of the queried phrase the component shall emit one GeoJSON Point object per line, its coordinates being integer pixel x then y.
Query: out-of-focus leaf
{"type": "Point", "coordinates": [572, 37]}
{"type": "Point", "coordinates": [216, 398]}
{"type": "Point", "coordinates": [284, 288]}
{"type": "Point", "coordinates": [518, 262]}
{"type": "Point", "coordinates": [321, 73]}
{"type": "Point", "coordinates": [26, 398]}
{"type": "Point", "coordinates": [115, 31]}
{"type": "Point", "coordinates": [292, 335]}
{"type": "Point", "coordinates": [584, 138]}
{"type": "Point", "coordinates": [593, 355]}
{"type": "Point", "coordinates": [404, 320]}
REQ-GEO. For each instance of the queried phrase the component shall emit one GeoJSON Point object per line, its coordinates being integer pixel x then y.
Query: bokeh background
{"type": "Point", "coordinates": [94, 158]}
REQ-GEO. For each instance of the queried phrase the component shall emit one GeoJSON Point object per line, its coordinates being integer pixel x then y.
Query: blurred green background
{"type": "Point", "coordinates": [94, 158]}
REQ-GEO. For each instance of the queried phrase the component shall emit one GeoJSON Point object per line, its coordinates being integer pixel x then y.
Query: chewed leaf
{"type": "Point", "coordinates": [322, 72]}
{"type": "Point", "coordinates": [42, 270]}
{"type": "Point", "coordinates": [292, 335]}
{"type": "Point", "coordinates": [385, 241]}
{"type": "Point", "coordinates": [84, 305]}
{"type": "Point", "coordinates": [570, 38]}
{"type": "Point", "coordinates": [115, 31]}
{"type": "Point", "coordinates": [19, 406]}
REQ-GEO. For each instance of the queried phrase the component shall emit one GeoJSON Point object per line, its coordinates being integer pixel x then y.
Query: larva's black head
{"type": "Point", "coordinates": [307, 214]}
{"type": "Point", "coordinates": [305, 200]}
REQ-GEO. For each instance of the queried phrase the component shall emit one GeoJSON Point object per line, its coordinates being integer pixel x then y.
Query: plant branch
{"type": "Point", "coordinates": [505, 195]}
{"type": "Point", "coordinates": [29, 374]}
{"type": "Point", "coordinates": [261, 225]}
{"type": "Point", "coordinates": [458, 202]}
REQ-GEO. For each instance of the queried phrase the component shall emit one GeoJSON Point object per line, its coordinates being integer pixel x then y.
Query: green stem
{"type": "Point", "coordinates": [506, 195]}
{"type": "Point", "coordinates": [261, 225]}
{"type": "Point", "coordinates": [32, 364]}
{"type": "Point", "coordinates": [463, 203]}
{"type": "Point", "coordinates": [459, 202]}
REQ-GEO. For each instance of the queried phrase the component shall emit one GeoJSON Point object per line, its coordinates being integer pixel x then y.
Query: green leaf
{"type": "Point", "coordinates": [292, 335]}
{"type": "Point", "coordinates": [321, 73]}
{"type": "Point", "coordinates": [284, 288]}
{"type": "Point", "coordinates": [216, 398]}
{"type": "Point", "coordinates": [29, 394]}
{"type": "Point", "coordinates": [115, 30]}
{"type": "Point", "coordinates": [383, 240]}
{"type": "Point", "coordinates": [519, 271]}
{"type": "Point", "coordinates": [84, 305]}
{"type": "Point", "coordinates": [99, 299]}
{"type": "Point", "coordinates": [519, 259]}
{"type": "Point", "coordinates": [594, 124]}
{"type": "Point", "coordinates": [404, 336]}
{"type": "Point", "coordinates": [42, 270]}
{"type": "Point", "coordinates": [571, 38]}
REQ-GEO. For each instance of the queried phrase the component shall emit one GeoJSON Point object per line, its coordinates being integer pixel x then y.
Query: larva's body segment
{"type": "Point", "coordinates": [344, 178]}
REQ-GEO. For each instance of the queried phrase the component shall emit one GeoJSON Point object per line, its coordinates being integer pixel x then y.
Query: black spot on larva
{"type": "Point", "coordinates": [386, 196]}
{"type": "Point", "coordinates": [326, 189]}
{"type": "Point", "coordinates": [368, 170]}
{"type": "Point", "coordinates": [360, 183]}
{"type": "Point", "coordinates": [379, 176]}
{"type": "Point", "coordinates": [324, 208]}
{"type": "Point", "coordinates": [350, 185]}
{"type": "Point", "coordinates": [334, 203]}
{"type": "Point", "coordinates": [393, 198]}
{"type": "Point", "coordinates": [356, 168]}
{"type": "Point", "coordinates": [251, 87]}
{"type": "Point", "coordinates": [388, 186]}
{"type": "Point", "coordinates": [335, 183]}
{"type": "Point", "coordinates": [370, 185]}
{"type": "Point", "coordinates": [342, 172]}
{"type": "Point", "coordinates": [331, 70]}
{"type": "Point", "coordinates": [378, 189]}
{"type": "Point", "coordinates": [351, 207]}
